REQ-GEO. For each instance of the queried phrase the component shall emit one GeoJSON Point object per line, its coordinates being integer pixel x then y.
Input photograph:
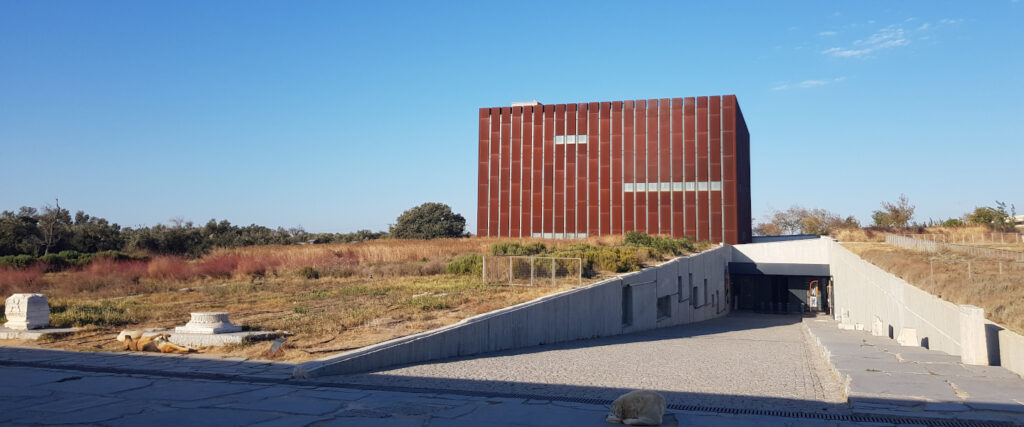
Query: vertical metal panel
{"type": "Point", "coordinates": [731, 235]}
{"type": "Point", "coordinates": [593, 169]}
{"type": "Point", "coordinates": [483, 160]}
{"type": "Point", "coordinates": [664, 167]}
{"type": "Point", "coordinates": [505, 178]}
{"type": "Point", "coordinates": [538, 169]}
{"type": "Point", "coordinates": [605, 164]}
{"type": "Point", "coordinates": [676, 143]}
{"type": "Point", "coordinates": [516, 172]}
{"type": "Point", "coordinates": [571, 169]}
{"type": "Point", "coordinates": [526, 195]}
{"type": "Point", "coordinates": [495, 173]}
{"type": "Point", "coordinates": [690, 160]}
{"type": "Point", "coordinates": [703, 202]}
{"type": "Point", "coordinates": [715, 161]}
{"type": "Point", "coordinates": [548, 219]}
{"type": "Point", "coordinates": [640, 146]}
{"type": "Point", "coordinates": [582, 195]}
{"type": "Point", "coordinates": [653, 197]}
{"type": "Point", "coordinates": [616, 168]}
{"type": "Point", "coordinates": [629, 162]}
{"type": "Point", "coordinates": [559, 206]}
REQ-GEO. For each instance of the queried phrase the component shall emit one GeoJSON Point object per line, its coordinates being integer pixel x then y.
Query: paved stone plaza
{"type": "Point", "coordinates": [764, 365]}
{"type": "Point", "coordinates": [744, 360]}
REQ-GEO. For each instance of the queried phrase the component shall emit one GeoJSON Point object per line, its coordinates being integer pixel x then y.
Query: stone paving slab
{"type": "Point", "coordinates": [59, 394]}
{"type": "Point", "coordinates": [745, 360]}
{"type": "Point", "coordinates": [918, 380]}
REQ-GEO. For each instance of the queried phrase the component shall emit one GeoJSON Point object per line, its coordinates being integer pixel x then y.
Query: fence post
{"type": "Point", "coordinates": [970, 277]}
{"type": "Point", "coordinates": [511, 272]}
{"type": "Point", "coordinates": [1000, 268]}
{"type": "Point", "coordinates": [552, 272]}
{"type": "Point", "coordinates": [483, 269]}
{"type": "Point", "coordinates": [532, 270]}
{"type": "Point", "coordinates": [931, 268]}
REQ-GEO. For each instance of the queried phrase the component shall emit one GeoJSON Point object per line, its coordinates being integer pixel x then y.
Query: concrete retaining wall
{"type": "Point", "coordinates": [1011, 351]}
{"type": "Point", "coordinates": [808, 251]}
{"type": "Point", "coordinates": [863, 291]}
{"type": "Point", "coordinates": [587, 312]}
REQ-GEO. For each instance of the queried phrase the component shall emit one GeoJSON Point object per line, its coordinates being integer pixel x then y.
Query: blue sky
{"type": "Point", "coordinates": [337, 116]}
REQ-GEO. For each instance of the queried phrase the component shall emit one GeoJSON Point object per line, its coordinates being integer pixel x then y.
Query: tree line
{"type": "Point", "coordinates": [30, 232]}
{"type": "Point", "coordinates": [897, 214]}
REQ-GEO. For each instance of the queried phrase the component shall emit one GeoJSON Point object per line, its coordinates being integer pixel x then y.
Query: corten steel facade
{"type": "Point", "coordinates": [673, 166]}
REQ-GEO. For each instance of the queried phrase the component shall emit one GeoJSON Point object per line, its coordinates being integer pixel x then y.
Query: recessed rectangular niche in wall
{"type": "Point", "coordinates": [627, 306]}
{"type": "Point", "coordinates": [664, 307]}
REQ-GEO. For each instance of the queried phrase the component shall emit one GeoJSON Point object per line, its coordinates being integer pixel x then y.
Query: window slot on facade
{"type": "Point", "coordinates": [570, 139]}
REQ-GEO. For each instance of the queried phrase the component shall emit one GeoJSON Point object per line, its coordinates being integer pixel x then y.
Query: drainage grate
{"type": "Point", "coordinates": [857, 418]}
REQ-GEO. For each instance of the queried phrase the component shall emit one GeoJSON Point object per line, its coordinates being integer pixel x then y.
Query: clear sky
{"type": "Point", "coordinates": [337, 116]}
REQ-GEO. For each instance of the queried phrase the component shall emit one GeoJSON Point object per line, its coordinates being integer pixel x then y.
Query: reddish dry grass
{"type": "Point", "coordinates": [383, 258]}
{"type": "Point", "coordinates": [14, 280]}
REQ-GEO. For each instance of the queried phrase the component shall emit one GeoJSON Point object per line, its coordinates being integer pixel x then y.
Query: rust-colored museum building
{"type": "Point", "coordinates": [672, 166]}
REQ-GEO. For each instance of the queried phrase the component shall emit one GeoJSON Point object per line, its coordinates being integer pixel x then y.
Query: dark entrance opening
{"type": "Point", "coordinates": [781, 293]}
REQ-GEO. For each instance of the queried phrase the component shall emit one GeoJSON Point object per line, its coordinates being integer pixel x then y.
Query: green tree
{"type": "Point", "coordinates": [896, 214]}
{"type": "Point", "coordinates": [93, 234]}
{"type": "Point", "coordinates": [19, 233]}
{"type": "Point", "coordinates": [996, 218]}
{"type": "Point", "coordinates": [428, 221]}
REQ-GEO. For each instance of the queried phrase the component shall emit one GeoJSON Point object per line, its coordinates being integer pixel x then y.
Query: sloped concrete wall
{"type": "Point", "coordinates": [587, 312]}
{"type": "Point", "coordinates": [862, 291]}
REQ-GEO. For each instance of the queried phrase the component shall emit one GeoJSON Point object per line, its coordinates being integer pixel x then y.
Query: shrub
{"type": "Point", "coordinates": [471, 264]}
{"type": "Point", "coordinates": [17, 261]}
{"type": "Point", "coordinates": [428, 221]}
{"type": "Point", "coordinates": [661, 245]}
{"type": "Point", "coordinates": [518, 249]}
{"type": "Point", "coordinates": [309, 273]}
{"type": "Point", "coordinates": [103, 313]}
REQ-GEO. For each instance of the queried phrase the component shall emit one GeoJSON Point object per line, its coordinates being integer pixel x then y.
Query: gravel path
{"type": "Point", "coordinates": [744, 360]}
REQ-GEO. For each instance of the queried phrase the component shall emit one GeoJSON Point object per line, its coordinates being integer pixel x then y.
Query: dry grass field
{"type": "Point", "coordinates": [993, 284]}
{"type": "Point", "coordinates": [328, 298]}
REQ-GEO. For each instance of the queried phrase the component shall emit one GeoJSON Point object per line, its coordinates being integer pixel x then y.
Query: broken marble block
{"type": "Point", "coordinates": [208, 323]}
{"type": "Point", "coordinates": [27, 311]}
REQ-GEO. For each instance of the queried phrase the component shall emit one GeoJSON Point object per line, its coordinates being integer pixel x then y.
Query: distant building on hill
{"type": "Point", "coordinates": [672, 166]}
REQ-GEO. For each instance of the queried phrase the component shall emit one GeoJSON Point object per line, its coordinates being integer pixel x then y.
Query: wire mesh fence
{"type": "Point", "coordinates": [971, 250]}
{"type": "Point", "coordinates": [975, 272]}
{"type": "Point", "coordinates": [972, 238]}
{"type": "Point", "coordinates": [532, 271]}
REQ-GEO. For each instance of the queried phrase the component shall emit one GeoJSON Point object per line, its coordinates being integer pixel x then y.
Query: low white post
{"type": "Point", "coordinates": [973, 345]}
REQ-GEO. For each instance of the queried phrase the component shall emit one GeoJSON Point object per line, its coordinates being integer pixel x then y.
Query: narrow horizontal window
{"type": "Point", "coordinates": [677, 186]}
{"type": "Point", "coordinates": [702, 186]}
{"type": "Point", "coordinates": [641, 186]}
{"type": "Point", "coordinates": [691, 186]}
{"type": "Point", "coordinates": [666, 186]}
{"type": "Point", "coordinates": [627, 187]}
{"type": "Point", "coordinates": [716, 185]}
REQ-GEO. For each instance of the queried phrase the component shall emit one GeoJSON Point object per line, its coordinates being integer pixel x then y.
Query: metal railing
{"type": "Point", "coordinates": [935, 246]}
{"type": "Point", "coordinates": [532, 271]}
